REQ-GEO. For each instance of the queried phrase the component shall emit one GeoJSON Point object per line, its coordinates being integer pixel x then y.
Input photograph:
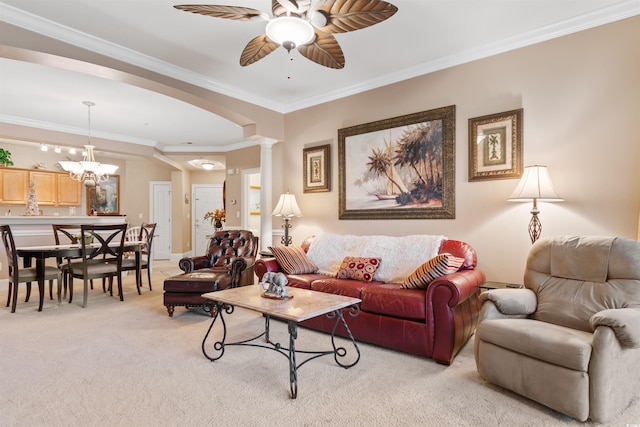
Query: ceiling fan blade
{"type": "Point", "coordinates": [349, 15]}
{"type": "Point", "coordinates": [227, 12]}
{"type": "Point", "coordinates": [324, 50]}
{"type": "Point", "coordinates": [257, 49]}
{"type": "Point", "coordinates": [296, 7]}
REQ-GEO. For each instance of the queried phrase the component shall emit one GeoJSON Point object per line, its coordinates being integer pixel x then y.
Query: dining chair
{"type": "Point", "coordinates": [66, 234]}
{"type": "Point", "coordinates": [101, 259]}
{"type": "Point", "coordinates": [145, 234]}
{"type": "Point", "coordinates": [26, 275]}
{"type": "Point", "coordinates": [133, 234]}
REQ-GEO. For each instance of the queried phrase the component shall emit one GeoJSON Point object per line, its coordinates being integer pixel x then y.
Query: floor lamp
{"type": "Point", "coordinates": [535, 185]}
{"type": "Point", "coordinates": [287, 207]}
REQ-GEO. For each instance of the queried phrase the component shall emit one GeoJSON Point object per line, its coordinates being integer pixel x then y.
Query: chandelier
{"type": "Point", "coordinates": [88, 171]}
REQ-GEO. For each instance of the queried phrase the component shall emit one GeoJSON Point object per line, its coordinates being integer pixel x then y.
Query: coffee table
{"type": "Point", "coordinates": [301, 305]}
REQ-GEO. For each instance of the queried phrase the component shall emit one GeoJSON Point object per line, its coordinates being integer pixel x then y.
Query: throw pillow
{"type": "Point", "coordinates": [293, 260]}
{"type": "Point", "coordinates": [438, 266]}
{"type": "Point", "coordinates": [358, 268]}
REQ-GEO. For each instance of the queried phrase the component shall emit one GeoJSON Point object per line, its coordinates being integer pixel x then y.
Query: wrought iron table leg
{"type": "Point", "coordinates": [293, 367]}
{"type": "Point", "coordinates": [338, 352]}
{"type": "Point", "coordinates": [218, 346]}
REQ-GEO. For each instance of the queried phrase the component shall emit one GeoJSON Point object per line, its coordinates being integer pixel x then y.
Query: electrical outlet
{"type": "Point", "coordinates": [238, 214]}
{"type": "Point", "coordinates": [0, 266]}
{"type": "Point", "coordinates": [139, 216]}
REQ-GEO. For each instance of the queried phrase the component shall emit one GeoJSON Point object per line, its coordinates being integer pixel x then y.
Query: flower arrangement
{"type": "Point", "coordinates": [216, 217]}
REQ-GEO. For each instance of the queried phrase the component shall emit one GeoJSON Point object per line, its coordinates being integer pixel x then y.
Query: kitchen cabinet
{"type": "Point", "coordinates": [52, 188]}
{"type": "Point", "coordinates": [45, 183]}
{"type": "Point", "coordinates": [15, 186]}
{"type": "Point", "coordinates": [69, 191]}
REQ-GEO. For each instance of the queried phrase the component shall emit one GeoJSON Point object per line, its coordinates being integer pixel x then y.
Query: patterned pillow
{"type": "Point", "coordinates": [293, 260]}
{"type": "Point", "coordinates": [438, 266]}
{"type": "Point", "coordinates": [358, 268]}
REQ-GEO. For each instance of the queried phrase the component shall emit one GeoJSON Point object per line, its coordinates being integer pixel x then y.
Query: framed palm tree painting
{"type": "Point", "coordinates": [399, 168]}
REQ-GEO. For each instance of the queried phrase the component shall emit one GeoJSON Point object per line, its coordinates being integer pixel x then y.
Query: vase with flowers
{"type": "Point", "coordinates": [217, 218]}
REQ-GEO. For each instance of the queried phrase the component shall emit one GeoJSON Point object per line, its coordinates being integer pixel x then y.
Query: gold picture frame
{"type": "Point", "coordinates": [495, 146]}
{"type": "Point", "coordinates": [399, 168]}
{"type": "Point", "coordinates": [104, 198]}
{"type": "Point", "coordinates": [316, 169]}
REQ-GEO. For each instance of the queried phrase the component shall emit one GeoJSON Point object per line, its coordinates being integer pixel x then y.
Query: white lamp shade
{"type": "Point", "coordinates": [290, 29]}
{"type": "Point", "coordinates": [107, 169]}
{"type": "Point", "coordinates": [73, 167]}
{"type": "Point", "coordinates": [535, 184]}
{"type": "Point", "coordinates": [287, 206]}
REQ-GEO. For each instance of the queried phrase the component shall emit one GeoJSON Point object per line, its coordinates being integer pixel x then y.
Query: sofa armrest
{"type": "Point", "coordinates": [452, 312]}
{"type": "Point", "coordinates": [625, 323]}
{"type": "Point", "coordinates": [461, 284]}
{"type": "Point", "coordinates": [264, 265]}
{"type": "Point", "coordinates": [194, 263]}
{"type": "Point", "coordinates": [511, 302]}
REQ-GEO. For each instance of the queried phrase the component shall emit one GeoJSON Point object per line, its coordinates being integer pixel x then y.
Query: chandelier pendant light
{"type": "Point", "coordinates": [88, 171]}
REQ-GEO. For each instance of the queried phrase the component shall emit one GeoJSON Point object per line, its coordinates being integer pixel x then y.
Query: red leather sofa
{"type": "Point", "coordinates": [434, 322]}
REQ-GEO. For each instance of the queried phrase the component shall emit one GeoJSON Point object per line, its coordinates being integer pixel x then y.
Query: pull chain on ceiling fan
{"type": "Point", "coordinates": [295, 24]}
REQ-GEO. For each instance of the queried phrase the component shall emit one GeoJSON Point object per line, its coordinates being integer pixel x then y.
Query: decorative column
{"type": "Point", "coordinates": [266, 192]}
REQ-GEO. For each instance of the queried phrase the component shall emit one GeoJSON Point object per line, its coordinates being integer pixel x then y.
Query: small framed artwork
{"type": "Point", "coordinates": [316, 169]}
{"type": "Point", "coordinates": [399, 168]}
{"type": "Point", "coordinates": [103, 199]}
{"type": "Point", "coordinates": [495, 146]}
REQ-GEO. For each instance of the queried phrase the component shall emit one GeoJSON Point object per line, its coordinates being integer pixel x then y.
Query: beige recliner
{"type": "Point", "coordinates": [571, 339]}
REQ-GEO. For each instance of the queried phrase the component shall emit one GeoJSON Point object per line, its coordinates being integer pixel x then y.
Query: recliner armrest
{"type": "Point", "coordinates": [512, 301]}
{"type": "Point", "coordinates": [625, 323]}
{"type": "Point", "coordinates": [194, 263]}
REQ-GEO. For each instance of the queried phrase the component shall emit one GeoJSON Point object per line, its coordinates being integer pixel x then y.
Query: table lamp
{"type": "Point", "coordinates": [287, 207]}
{"type": "Point", "coordinates": [535, 185]}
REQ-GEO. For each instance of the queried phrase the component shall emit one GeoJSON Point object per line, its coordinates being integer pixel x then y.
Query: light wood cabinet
{"type": "Point", "coordinates": [52, 188]}
{"type": "Point", "coordinates": [46, 190]}
{"type": "Point", "coordinates": [15, 186]}
{"type": "Point", "coordinates": [69, 191]}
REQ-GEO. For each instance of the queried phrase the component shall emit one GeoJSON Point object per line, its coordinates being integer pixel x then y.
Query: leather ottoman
{"type": "Point", "coordinates": [185, 290]}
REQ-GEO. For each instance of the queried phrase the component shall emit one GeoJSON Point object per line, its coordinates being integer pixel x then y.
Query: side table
{"type": "Point", "coordinates": [499, 285]}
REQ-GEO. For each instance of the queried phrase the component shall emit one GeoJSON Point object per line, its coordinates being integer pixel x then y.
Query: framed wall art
{"type": "Point", "coordinates": [495, 146]}
{"type": "Point", "coordinates": [104, 197]}
{"type": "Point", "coordinates": [316, 168]}
{"type": "Point", "coordinates": [399, 168]}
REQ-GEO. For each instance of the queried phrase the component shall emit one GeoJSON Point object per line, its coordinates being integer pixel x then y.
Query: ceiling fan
{"type": "Point", "coordinates": [295, 23]}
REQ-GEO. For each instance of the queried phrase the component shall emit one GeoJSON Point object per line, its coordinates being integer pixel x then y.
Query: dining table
{"type": "Point", "coordinates": [41, 253]}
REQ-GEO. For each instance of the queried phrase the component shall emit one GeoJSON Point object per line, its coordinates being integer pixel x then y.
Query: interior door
{"type": "Point", "coordinates": [161, 215]}
{"type": "Point", "coordinates": [206, 198]}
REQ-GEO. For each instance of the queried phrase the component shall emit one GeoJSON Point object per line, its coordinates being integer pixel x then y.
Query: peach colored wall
{"type": "Point", "coordinates": [247, 158]}
{"type": "Point", "coordinates": [581, 101]}
{"type": "Point", "coordinates": [135, 200]}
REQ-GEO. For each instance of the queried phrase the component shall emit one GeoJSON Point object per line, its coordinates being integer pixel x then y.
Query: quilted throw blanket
{"type": "Point", "coordinates": [400, 256]}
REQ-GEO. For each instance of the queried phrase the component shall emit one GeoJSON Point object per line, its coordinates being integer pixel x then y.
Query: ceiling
{"type": "Point", "coordinates": [422, 37]}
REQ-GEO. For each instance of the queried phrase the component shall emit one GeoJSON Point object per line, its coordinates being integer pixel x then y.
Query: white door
{"type": "Point", "coordinates": [160, 192]}
{"type": "Point", "coordinates": [206, 198]}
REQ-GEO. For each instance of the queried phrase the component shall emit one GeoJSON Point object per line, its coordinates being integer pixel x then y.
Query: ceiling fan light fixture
{"type": "Point", "coordinates": [290, 31]}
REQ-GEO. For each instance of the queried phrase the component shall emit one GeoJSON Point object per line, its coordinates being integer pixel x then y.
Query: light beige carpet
{"type": "Point", "coordinates": [129, 364]}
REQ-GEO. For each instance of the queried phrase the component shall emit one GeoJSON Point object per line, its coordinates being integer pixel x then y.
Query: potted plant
{"type": "Point", "coordinates": [5, 157]}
